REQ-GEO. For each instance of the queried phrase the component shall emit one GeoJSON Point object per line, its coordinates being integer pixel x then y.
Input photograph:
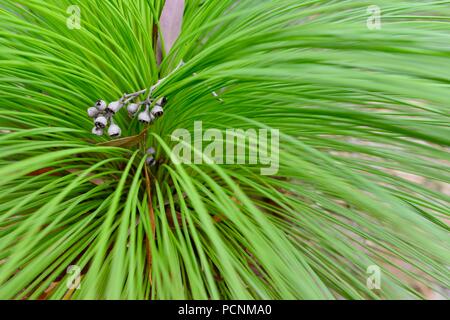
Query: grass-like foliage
{"type": "Point", "coordinates": [363, 118]}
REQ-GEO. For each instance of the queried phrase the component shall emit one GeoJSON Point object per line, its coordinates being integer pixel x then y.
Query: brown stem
{"type": "Point", "coordinates": [152, 221]}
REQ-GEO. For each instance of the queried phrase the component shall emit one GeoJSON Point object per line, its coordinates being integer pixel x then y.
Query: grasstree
{"type": "Point", "coordinates": [357, 209]}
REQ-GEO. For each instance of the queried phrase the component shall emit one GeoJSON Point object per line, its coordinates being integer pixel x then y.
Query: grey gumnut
{"type": "Point", "coordinates": [114, 130]}
{"type": "Point", "coordinates": [133, 108]}
{"type": "Point", "coordinates": [92, 112]}
{"type": "Point", "coordinates": [150, 161]}
{"type": "Point", "coordinates": [157, 111]}
{"type": "Point", "coordinates": [101, 122]}
{"type": "Point", "coordinates": [145, 116]}
{"type": "Point", "coordinates": [114, 106]}
{"type": "Point", "coordinates": [161, 102]}
{"type": "Point", "coordinates": [100, 105]}
{"type": "Point", "coordinates": [97, 131]}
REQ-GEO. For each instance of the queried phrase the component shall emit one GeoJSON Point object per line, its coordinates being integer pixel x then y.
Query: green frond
{"type": "Point", "coordinates": [363, 178]}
